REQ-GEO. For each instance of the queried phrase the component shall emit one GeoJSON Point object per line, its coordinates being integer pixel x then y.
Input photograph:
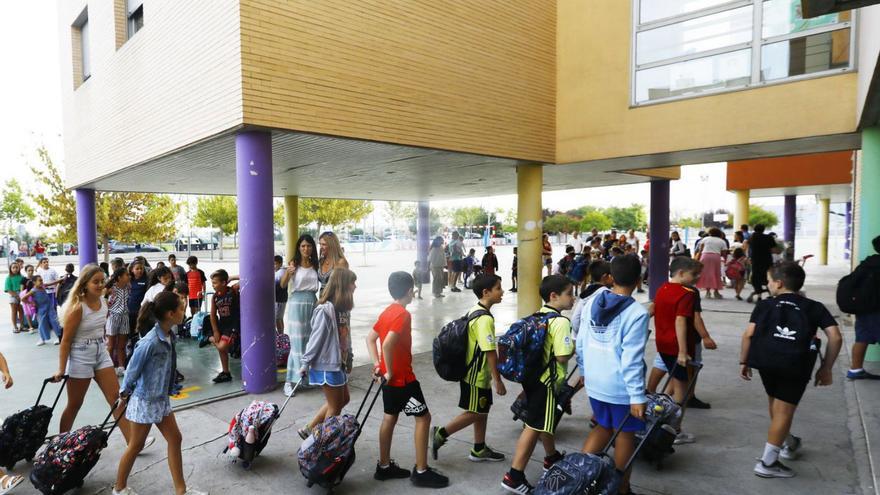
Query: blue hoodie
{"type": "Point", "coordinates": [611, 348]}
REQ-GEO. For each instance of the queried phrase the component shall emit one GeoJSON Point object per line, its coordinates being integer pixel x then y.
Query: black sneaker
{"type": "Point", "coordinates": [437, 441]}
{"type": "Point", "coordinates": [428, 479]}
{"type": "Point", "coordinates": [522, 487]}
{"type": "Point", "coordinates": [485, 455]}
{"type": "Point", "coordinates": [222, 377]}
{"type": "Point", "coordinates": [391, 472]}
{"type": "Point", "coordinates": [775, 470]}
{"type": "Point", "coordinates": [178, 377]}
{"type": "Point", "coordinates": [550, 460]}
{"type": "Point", "coordinates": [695, 403]}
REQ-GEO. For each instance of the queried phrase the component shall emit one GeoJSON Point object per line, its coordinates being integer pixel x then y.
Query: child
{"type": "Point", "coordinates": [47, 315]}
{"type": "Point", "coordinates": [400, 390]}
{"type": "Point", "coordinates": [66, 284]}
{"type": "Point", "coordinates": [674, 321]}
{"type": "Point", "coordinates": [177, 271]}
{"type": "Point", "coordinates": [786, 319]}
{"type": "Point", "coordinates": [513, 269]}
{"type": "Point", "coordinates": [323, 360]}
{"type": "Point", "coordinates": [736, 271]}
{"type": "Point", "coordinates": [490, 261]}
{"type": "Point", "coordinates": [12, 286]}
{"type": "Point", "coordinates": [196, 279]}
{"type": "Point", "coordinates": [146, 388]}
{"type": "Point", "coordinates": [600, 278]}
{"type": "Point", "coordinates": [225, 320]}
{"type": "Point", "coordinates": [116, 264]}
{"type": "Point", "coordinates": [542, 418]}
{"type": "Point", "coordinates": [565, 264]}
{"type": "Point", "coordinates": [138, 285]}
{"type": "Point", "coordinates": [469, 261]}
{"type": "Point", "coordinates": [417, 279]}
{"type": "Point", "coordinates": [611, 348]}
{"type": "Point", "coordinates": [7, 481]}
{"type": "Point", "coordinates": [159, 280]}
{"type": "Point", "coordinates": [118, 289]}
{"type": "Point", "coordinates": [475, 392]}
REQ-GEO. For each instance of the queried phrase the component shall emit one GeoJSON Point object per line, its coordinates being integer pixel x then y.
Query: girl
{"type": "Point", "coordinates": [159, 280]}
{"type": "Point", "coordinates": [490, 261]}
{"type": "Point", "coordinates": [546, 253]}
{"type": "Point", "coordinates": [138, 285]}
{"type": "Point", "coordinates": [677, 247]}
{"type": "Point", "coordinates": [324, 359]}
{"type": "Point", "coordinates": [12, 287]}
{"type": "Point", "coordinates": [736, 270]}
{"type": "Point", "coordinates": [301, 281]}
{"type": "Point", "coordinates": [28, 310]}
{"type": "Point", "coordinates": [118, 289]}
{"type": "Point", "coordinates": [146, 387]}
{"type": "Point", "coordinates": [83, 356]}
{"type": "Point", "coordinates": [331, 257]}
{"type": "Point", "coordinates": [47, 317]}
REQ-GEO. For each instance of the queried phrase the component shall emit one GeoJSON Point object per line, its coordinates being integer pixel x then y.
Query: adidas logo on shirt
{"type": "Point", "coordinates": [414, 407]}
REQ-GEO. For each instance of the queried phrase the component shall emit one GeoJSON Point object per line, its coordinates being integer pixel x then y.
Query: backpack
{"type": "Point", "coordinates": [451, 346]}
{"type": "Point", "coordinates": [734, 270]}
{"type": "Point", "coordinates": [521, 349]}
{"type": "Point", "coordinates": [859, 292]}
{"type": "Point", "coordinates": [578, 271]}
{"type": "Point", "coordinates": [282, 349]}
{"type": "Point", "coordinates": [782, 339]}
{"type": "Point", "coordinates": [579, 473]}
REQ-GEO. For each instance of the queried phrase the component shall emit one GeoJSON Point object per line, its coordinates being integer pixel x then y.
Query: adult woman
{"type": "Point", "coordinates": [39, 250]}
{"type": "Point", "coordinates": [633, 240]}
{"type": "Point", "coordinates": [677, 247]}
{"type": "Point", "coordinates": [437, 261]}
{"type": "Point", "coordinates": [711, 249]}
{"type": "Point", "coordinates": [83, 355]}
{"type": "Point", "coordinates": [324, 359]}
{"type": "Point", "coordinates": [547, 253]}
{"type": "Point", "coordinates": [301, 281]}
{"type": "Point", "coordinates": [761, 254]}
{"type": "Point", "coordinates": [332, 257]}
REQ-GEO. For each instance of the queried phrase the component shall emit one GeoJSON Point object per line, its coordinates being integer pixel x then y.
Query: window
{"type": "Point", "coordinates": [135, 15]}
{"type": "Point", "coordinates": [691, 47]}
{"type": "Point", "coordinates": [82, 60]}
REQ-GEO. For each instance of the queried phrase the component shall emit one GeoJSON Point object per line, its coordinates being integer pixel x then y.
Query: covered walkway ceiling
{"type": "Point", "coordinates": [312, 165]}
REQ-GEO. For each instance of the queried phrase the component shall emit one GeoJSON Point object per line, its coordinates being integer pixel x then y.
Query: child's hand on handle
{"type": "Point", "coordinates": [303, 372]}
{"type": "Point", "coordinates": [823, 377]}
{"type": "Point", "coordinates": [709, 344]}
{"type": "Point", "coordinates": [637, 411]}
{"type": "Point", "coordinates": [500, 389]}
{"type": "Point", "coordinates": [58, 376]}
{"type": "Point", "coordinates": [683, 359]}
{"type": "Point", "coordinates": [745, 372]}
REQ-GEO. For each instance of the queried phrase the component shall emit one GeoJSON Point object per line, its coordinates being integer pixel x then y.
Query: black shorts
{"type": "Point", "coordinates": [474, 399]}
{"type": "Point", "coordinates": [223, 330]}
{"type": "Point", "coordinates": [679, 372]}
{"type": "Point", "coordinates": [541, 413]}
{"type": "Point", "coordinates": [786, 388]}
{"type": "Point", "coordinates": [457, 266]}
{"type": "Point", "coordinates": [408, 398]}
{"type": "Point", "coordinates": [195, 305]}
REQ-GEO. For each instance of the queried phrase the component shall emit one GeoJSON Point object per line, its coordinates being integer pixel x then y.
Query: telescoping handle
{"type": "Point", "coordinates": [638, 447]}
{"type": "Point", "coordinates": [691, 382]}
{"type": "Point", "coordinates": [51, 379]}
{"type": "Point", "coordinates": [115, 406]}
{"type": "Point", "coordinates": [369, 409]}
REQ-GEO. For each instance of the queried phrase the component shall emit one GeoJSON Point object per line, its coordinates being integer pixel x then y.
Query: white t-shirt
{"type": "Point", "coordinates": [304, 280]}
{"type": "Point", "coordinates": [151, 293]}
{"type": "Point", "coordinates": [578, 244]}
{"type": "Point", "coordinates": [48, 275]}
{"type": "Point", "coordinates": [711, 245]}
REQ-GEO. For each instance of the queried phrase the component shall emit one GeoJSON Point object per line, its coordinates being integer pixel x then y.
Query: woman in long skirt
{"type": "Point", "coordinates": [712, 247]}
{"type": "Point", "coordinates": [301, 282]}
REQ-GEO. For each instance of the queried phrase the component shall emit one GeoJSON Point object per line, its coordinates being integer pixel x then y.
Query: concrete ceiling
{"type": "Point", "coordinates": [311, 165]}
{"type": "Point", "coordinates": [837, 193]}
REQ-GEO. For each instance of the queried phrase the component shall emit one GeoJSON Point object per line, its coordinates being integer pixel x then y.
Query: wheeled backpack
{"type": "Point", "coordinates": [259, 415]}
{"type": "Point", "coordinates": [24, 432]}
{"type": "Point", "coordinates": [451, 346]}
{"type": "Point", "coordinates": [521, 349]}
{"type": "Point", "coordinates": [282, 349]}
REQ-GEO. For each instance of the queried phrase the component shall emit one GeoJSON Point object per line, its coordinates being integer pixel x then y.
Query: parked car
{"type": "Point", "coordinates": [208, 244]}
{"type": "Point", "coordinates": [121, 248]}
{"type": "Point", "coordinates": [195, 244]}
{"type": "Point", "coordinates": [355, 239]}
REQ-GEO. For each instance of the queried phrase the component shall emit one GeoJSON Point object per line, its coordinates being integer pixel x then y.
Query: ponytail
{"type": "Point", "coordinates": [119, 272]}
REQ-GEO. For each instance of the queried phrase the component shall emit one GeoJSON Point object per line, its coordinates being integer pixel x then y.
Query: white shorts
{"type": "Point", "coordinates": [87, 357]}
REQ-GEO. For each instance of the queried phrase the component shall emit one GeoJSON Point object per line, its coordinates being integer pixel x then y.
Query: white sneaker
{"type": "Point", "coordinates": [41, 342]}
{"type": "Point", "coordinates": [120, 371]}
{"type": "Point", "coordinates": [288, 389]}
{"type": "Point", "coordinates": [683, 438]}
{"type": "Point", "coordinates": [57, 341]}
{"type": "Point", "coordinates": [125, 491]}
{"type": "Point", "coordinates": [775, 470]}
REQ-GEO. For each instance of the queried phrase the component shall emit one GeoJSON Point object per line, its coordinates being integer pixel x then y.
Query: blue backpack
{"type": "Point", "coordinates": [578, 473]}
{"type": "Point", "coordinates": [578, 272]}
{"type": "Point", "coordinates": [521, 349]}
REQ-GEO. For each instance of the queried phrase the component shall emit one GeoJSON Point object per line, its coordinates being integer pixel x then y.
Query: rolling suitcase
{"type": "Point", "coordinates": [240, 446]}
{"type": "Point", "coordinates": [24, 432]}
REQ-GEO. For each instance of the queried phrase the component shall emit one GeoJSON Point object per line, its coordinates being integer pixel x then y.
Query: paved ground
{"type": "Point", "coordinates": [832, 420]}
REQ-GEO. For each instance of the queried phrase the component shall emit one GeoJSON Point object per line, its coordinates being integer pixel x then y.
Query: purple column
{"type": "Point", "coordinates": [424, 238]}
{"type": "Point", "coordinates": [658, 257]}
{"type": "Point", "coordinates": [847, 243]}
{"type": "Point", "coordinates": [253, 174]}
{"type": "Point", "coordinates": [86, 227]}
{"type": "Point", "coordinates": [789, 224]}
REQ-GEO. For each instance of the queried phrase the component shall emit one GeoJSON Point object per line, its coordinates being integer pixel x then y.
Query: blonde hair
{"type": "Point", "coordinates": [334, 250]}
{"type": "Point", "coordinates": [78, 291]}
{"type": "Point", "coordinates": [338, 289]}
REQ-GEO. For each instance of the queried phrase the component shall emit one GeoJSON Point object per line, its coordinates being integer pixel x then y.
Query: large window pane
{"type": "Point", "coordinates": [784, 17]}
{"type": "Point", "coordinates": [727, 70]}
{"type": "Point", "coordinates": [816, 53]}
{"type": "Point", "coordinates": [652, 10]}
{"type": "Point", "coordinates": [696, 35]}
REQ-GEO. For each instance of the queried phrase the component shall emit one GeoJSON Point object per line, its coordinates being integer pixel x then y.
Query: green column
{"type": "Point", "coordinates": [868, 203]}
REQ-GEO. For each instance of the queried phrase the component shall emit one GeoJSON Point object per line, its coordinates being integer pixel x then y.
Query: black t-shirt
{"type": "Point", "coordinates": [817, 314]}
{"type": "Point", "coordinates": [698, 306]}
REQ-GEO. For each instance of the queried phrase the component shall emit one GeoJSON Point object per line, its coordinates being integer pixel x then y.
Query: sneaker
{"type": "Point", "coordinates": [437, 441]}
{"type": "Point", "coordinates": [190, 491]}
{"type": "Point", "coordinates": [288, 389]}
{"type": "Point", "coordinates": [120, 371]}
{"type": "Point", "coordinates": [178, 377]}
{"type": "Point", "coordinates": [788, 453]}
{"type": "Point", "coordinates": [683, 438]}
{"type": "Point", "coordinates": [428, 479]}
{"type": "Point", "coordinates": [515, 487]}
{"type": "Point", "coordinates": [125, 491]}
{"type": "Point", "coordinates": [304, 433]}
{"type": "Point", "coordinates": [792, 442]}
{"type": "Point", "coordinates": [391, 472]}
{"type": "Point", "coordinates": [9, 481]}
{"type": "Point", "coordinates": [695, 403]}
{"type": "Point", "coordinates": [455, 289]}
{"type": "Point", "coordinates": [775, 470]}
{"type": "Point", "coordinates": [32, 331]}
{"type": "Point", "coordinates": [223, 377]}
{"type": "Point", "coordinates": [41, 342]}
{"type": "Point", "coordinates": [861, 375]}
{"type": "Point", "coordinates": [485, 455]}
{"type": "Point", "coordinates": [550, 460]}
{"type": "Point", "coordinates": [57, 341]}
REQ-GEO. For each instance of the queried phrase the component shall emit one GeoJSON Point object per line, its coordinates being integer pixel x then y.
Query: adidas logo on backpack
{"type": "Point", "coordinates": [785, 333]}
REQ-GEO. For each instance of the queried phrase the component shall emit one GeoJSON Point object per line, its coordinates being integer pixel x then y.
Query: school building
{"type": "Point", "coordinates": [424, 100]}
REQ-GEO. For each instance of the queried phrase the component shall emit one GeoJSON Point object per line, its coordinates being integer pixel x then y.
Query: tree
{"type": "Point", "coordinates": [688, 222]}
{"type": "Point", "coordinates": [631, 217]}
{"type": "Point", "coordinates": [332, 212]}
{"type": "Point", "coordinates": [561, 222]}
{"type": "Point", "coordinates": [595, 220]}
{"type": "Point", "coordinates": [467, 216]}
{"type": "Point", "coordinates": [220, 212]}
{"type": "Point", "coordinates": [278, 215]}
{"type": "Point", "coordinates": [14, 207]}
{"type": "Point", "coordinates": [760, 215]}
{"type": "Point", "coordinates": [130, 217]}
{"type": "Point", "coordinates": [398, 211]}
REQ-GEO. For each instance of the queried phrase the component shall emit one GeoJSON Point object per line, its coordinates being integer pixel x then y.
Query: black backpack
{"type": "Point", "coordinates": [451, 346]}
{"type": "Point", "coordinates": [859, 292]}
{"type": "Point", "coordinates": [782, 340]}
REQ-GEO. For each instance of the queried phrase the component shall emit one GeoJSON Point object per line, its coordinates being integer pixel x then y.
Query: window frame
{"type": "Point", "coordinates": [81, 25]}
{"type": "Point", "coordinates": [755, 45]}
{"type": "Point", "coordinates": [130, 32]}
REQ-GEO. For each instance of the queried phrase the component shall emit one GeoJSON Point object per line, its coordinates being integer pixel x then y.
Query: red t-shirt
{"type": "Point", "coordinates": [397, 319]}
{"type": "Point", "coordinates": [195, 280]}
{"type": "Point", "coordinates": [672, 300]}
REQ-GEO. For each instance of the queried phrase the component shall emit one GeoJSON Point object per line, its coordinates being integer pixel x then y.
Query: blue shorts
{"type": "Point", "coordinates": [610, 416]}
{"type": "Point", "coordinates": [868, 328]}
{"type": "Point", "coordinates": [329, 378]}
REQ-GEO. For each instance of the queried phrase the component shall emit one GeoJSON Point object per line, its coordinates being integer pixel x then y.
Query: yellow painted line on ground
{"type": "Point", "coordinates": [184, 393]}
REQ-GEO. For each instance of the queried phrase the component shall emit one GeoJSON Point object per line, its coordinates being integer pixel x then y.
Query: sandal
{"type": "Point", "coordinates": [303, 433]}
{"type": "Point", "coordinates": [8, 482]}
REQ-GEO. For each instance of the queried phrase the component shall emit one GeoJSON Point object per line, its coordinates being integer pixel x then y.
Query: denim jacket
{"type": "Point", "coordinates": [149, 373]}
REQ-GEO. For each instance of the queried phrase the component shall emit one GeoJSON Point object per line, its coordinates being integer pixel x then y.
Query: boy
{"type": "Point", "coordinates": [280, 294]}
{"type": "Point", "coordinates": [674, 321]}
{"type": "Point", "coordinates": [476, 394]}
{"type": "Point", "coordinates": [401, 391]}
{"type": "Point", "coordinates": [417, 278]}
{"type": "Point", "coordinates": [611, 349]}
{"type": "Point", "coordinates": [785, 388]}
{"type": "Point", "coordinates": [177, 271]}
{"type": "Point", "coordinates": [600, 278]}
{"type": "Point", "coordinates": [225, 322]}
{"type": "Point", "coordinates": [513, 271]}
{"type": "Point", "coordinates": [867, 324]}
{"type": "Point", "coordinates": [542, 418]}
{"type": "Point", "coordinates": [564, 265]}
{"type": "Point", "coordinates": [469, 261]}
{"type": "Point", "coordinates": [195, 279]}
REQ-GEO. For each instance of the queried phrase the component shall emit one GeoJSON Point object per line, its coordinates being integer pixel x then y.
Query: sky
{"type": "Point", "coordinates": [30, 115]}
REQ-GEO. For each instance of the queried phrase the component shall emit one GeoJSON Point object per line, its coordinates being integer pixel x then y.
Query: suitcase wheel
{"type": "Point", "coordinates": [246, 465]}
